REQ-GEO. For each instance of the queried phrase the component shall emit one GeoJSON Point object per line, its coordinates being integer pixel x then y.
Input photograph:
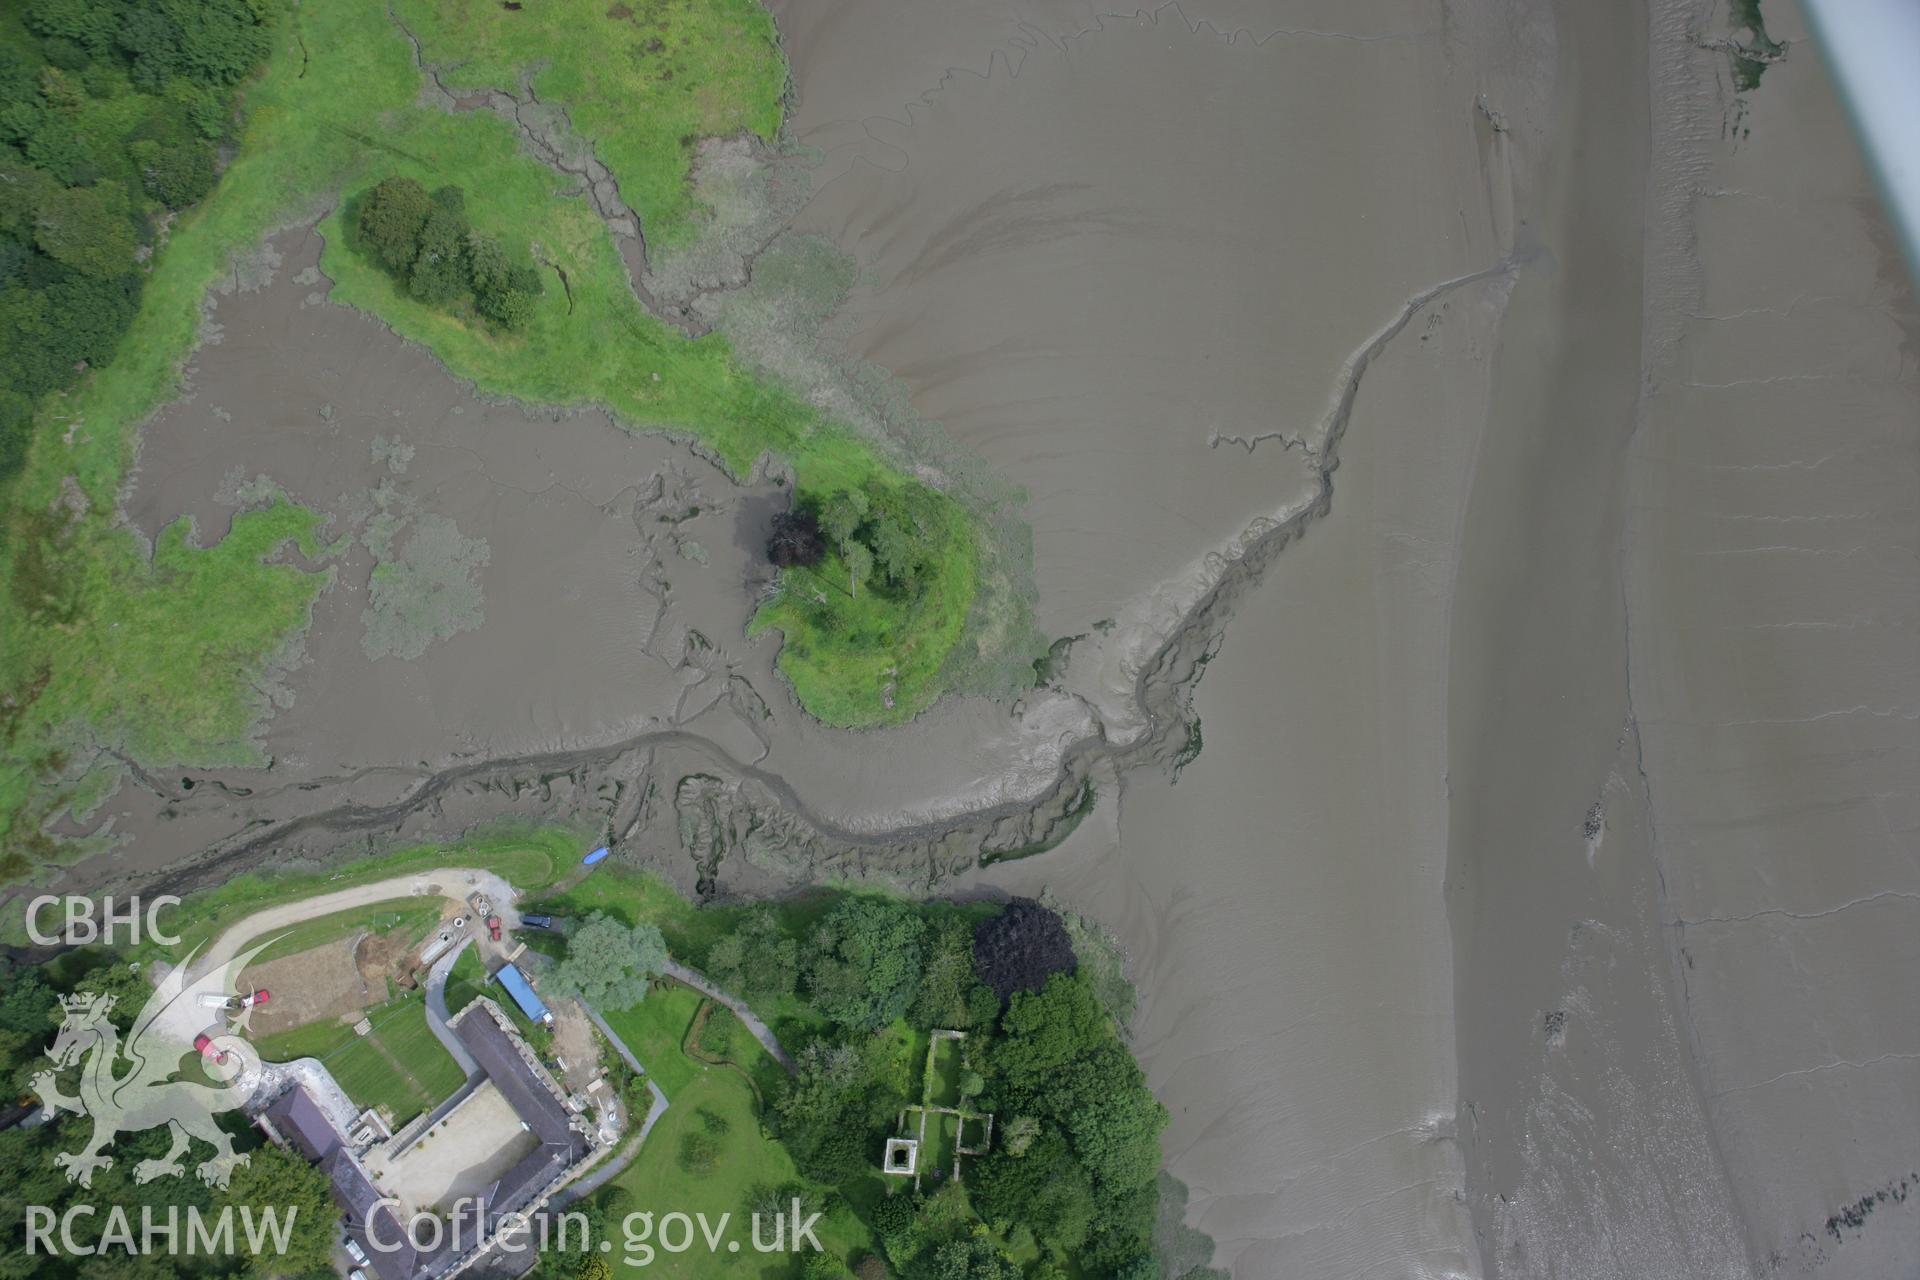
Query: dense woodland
{"type": "Point", "coordinates": [1070, 1185]}
{"type": "Point", "coordinates": [1076, 1153]}
{"type": "Point", "coordinates": [29, 1013]}
{"type": "Point", "coordinates": [113, 116]}
{"type": "Point", "coordinates": [885, 535]}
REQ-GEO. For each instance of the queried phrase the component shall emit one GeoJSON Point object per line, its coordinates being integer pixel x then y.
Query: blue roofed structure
{"type": "Point", "coordinates": [510, 977]}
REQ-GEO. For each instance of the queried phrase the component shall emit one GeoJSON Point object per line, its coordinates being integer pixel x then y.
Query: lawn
{"type": "Point", "coordinates": [167, 659]}
{"type": "Point", "coordinates": [641, 81]}
{"type": "Point", "coordinates": [409, 917]}
{"type": "Point", "coordinates": [937, 1149]}
{"type": "Point", "coordinates": [467, 979]}
{"type": "Point", "coordinates": [943, 1072]}
{"type": "Point", "coordinates": [659, 1180]}
{"type": "Point", "coordinates": [400, 1065]}
{"type": "Point", "coordinates": [654, 1030]}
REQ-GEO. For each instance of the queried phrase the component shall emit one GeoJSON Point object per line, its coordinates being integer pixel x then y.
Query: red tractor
{"type": "Point", "coordinates": [493, 927]}
{"type": "Point", "coordinates": [204, 1043]}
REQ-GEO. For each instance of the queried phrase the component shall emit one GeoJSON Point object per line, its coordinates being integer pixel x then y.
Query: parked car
{"type": "Point", "coordinates": [215, 1000]}
{"type": "Point", "coordinates": [537, 921]}
{"type": "Point", "coordinates": [493, 927]}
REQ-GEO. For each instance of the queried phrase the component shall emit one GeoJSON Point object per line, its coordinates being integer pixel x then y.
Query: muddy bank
{"type": "Point", "coordinates": [1588, 1151]}
{"type": "Point", "coordinates": [1773, 598]}
{"type": "Point", "coordinates": [1681, 665]}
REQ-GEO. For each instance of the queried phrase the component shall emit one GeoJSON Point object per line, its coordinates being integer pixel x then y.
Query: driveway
{"type": "Point", "coordinates": [437, 1014]}
{"type": "Point", "coordinates": [183, 1019]}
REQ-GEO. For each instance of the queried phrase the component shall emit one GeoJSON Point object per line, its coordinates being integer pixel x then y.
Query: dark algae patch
{"type": "Point", "coordinates": [1750, 49]}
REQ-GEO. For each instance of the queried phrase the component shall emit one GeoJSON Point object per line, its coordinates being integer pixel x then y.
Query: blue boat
{"type": "Point", "coordinates": [594, 857]}
{"type": "Point", "coordinates": [510, 977]}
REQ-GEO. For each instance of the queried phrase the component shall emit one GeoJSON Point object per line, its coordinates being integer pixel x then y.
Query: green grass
{"type": "Point", "coordinates": [400, 1065]}
{"type": "Point", "coordinates": [642, 80]}
{"type": "Point", "coordinates": [936, 1155]}
{"type": "Point", "coordinates": [654, 1029]}
{"type": "Point", "coordinates": [103, 650]}
{"type": "Point", "coordinates": [526, 859]}
{"type": "Point", "coordinates": [869, 658]}
{"type": "Point", "coordinates": [747, 1157]}
{"type": "Point", "coordinates": [943, 1073]}
{"type": "Point", "coordinates": [410, 917]}
{"type": "Point", "coordinates": [467, 979]}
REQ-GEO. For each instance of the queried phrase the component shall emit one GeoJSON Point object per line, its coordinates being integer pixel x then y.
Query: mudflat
{"type": "Point", "coordinates": [1469, 458]}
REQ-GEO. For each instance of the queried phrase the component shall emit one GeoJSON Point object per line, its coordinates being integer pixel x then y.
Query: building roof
{"type": "Point", "coordinates": [526, 1091]}
{"type": "Point", "coordinates": [561, 1145]}
{"type": "Point", "coordinates": [296, 1117]}
{"type": "Point", "coordinates": [510, 977]}
{"type": "Point", "coordinates": [299, 1119]}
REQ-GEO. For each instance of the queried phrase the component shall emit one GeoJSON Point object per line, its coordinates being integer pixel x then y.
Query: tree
{"type": "Point", "coordinates": [1116, 1133]}
{"type": "Point", "coordinates": [278, 1179]}
{"type": "Point", "coordinates": [948, 979]}
{"type": "Point", "coordinates": [974, 1259]}
{"type": "Point", "coordinates": [439, 272]}
{"type": "Point", "coordinates": [832, 1111]}
{"type": "Point", "coordinates": [16, 431]}
{"type": "Point", "coordinates": [1046, 1190]}
{"type": "Point", "coordinates": [390, 222]}
{"type": "Point", "coordinates": [502, 290]}
{"type": "Point", "coordinates": [1022, 947]}
{"type": "Point", "coordinates": [176, 175]}
{"type": "Point", "coordinates": [511, 309]}
{"type": "Point", "coordinates": [85, 22]}
{"type": "Point", "coordinates": [893, 1214]}
{"type": "Point", "coordinates": [699, 1153]}
{"type": "Point", "coordinates": [795, 539]}
{"type": "Point", "coordinates": [866, 966]}
{"type": "Point", "coordinates": [122, 981]}
{"type": "Point", "coordinates": [1018, 1135]}
{"type": "Point", "coordinates": [859, 565]}
{"type": "Point", "coordinates": [608, 963]}
{"type": "Point", "coordinates": [898, 542]}
{"type": "Point", "coordinates": [594, 1267]}
{"type": "Point", "coordinates": [88, 229]}
{"type": "Point", "coordinates": [1040, 1034]}
{"type": "Point", "coordinates": [842, 514]}
{"type": "Point", "coordinates": [756, 961]}
{"type": "Point", "coordinates": [222, 40]}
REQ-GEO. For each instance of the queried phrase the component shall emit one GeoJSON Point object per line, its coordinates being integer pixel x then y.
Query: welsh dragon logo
{"type": "Point", "coordinates": [150, 1095]}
